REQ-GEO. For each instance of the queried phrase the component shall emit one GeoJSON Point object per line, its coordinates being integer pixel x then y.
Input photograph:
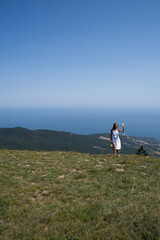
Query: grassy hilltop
{"type": "Point", "coordinates": [76, 196]}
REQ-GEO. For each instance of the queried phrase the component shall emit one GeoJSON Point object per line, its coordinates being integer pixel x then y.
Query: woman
{"type": "Point", "coordinates": [114, 138]}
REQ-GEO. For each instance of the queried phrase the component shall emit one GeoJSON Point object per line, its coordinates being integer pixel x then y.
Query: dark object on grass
{"type": "Point", "coordinates": [141, 151]}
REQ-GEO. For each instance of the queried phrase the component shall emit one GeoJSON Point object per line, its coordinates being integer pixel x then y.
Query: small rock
{"type": "Point", "coordinates": [117, 164]}
{"type": "Point", "coordinates": [33, 199]}
{"type": "Point", "coordinates": [143, 166]}
{"type": "Point", "coordinates": [62, 176]}
{"type": "Point", "coordinates": [119, 169]}
{"type": "Point", "coordinates": [45, 192]}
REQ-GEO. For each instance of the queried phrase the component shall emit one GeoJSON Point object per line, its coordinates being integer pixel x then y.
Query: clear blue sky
{"type": "Point", "coordinates": [80, 53]}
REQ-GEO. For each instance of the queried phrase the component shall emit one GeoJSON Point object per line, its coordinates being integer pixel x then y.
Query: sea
{"type": "Point", "coordinates": [140, 122]}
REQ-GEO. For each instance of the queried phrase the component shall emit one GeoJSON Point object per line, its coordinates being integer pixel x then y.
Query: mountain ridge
{"type": "Point", "coordinates": [19, 138]}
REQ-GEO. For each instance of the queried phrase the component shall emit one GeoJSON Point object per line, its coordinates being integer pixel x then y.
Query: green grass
{"type": "Point", "coordinates": [75, 196]}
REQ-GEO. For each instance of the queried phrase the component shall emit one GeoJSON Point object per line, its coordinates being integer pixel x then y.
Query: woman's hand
{"type": "Point", "coordinates": [123, 125]}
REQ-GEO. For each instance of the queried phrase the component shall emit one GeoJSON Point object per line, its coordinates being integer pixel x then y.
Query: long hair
{"type": "Point", "coordinates": [115, 126]}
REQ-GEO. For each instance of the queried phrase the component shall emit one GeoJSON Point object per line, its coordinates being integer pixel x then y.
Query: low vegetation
{"type": "Point", "coordinates": [75, 196]}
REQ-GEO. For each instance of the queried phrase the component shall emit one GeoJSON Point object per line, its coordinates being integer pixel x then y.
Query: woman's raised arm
{"type": "Point", "coordinates": [119, 130]}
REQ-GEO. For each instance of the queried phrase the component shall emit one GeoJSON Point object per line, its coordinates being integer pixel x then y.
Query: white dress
{"type": "Point", "coordinates": [116, 140]}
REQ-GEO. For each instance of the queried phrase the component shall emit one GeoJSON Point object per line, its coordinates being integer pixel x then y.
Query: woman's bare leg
{"type": "Point", "coordinates": [118, 155]}
{"type": "Point", "coordinates": [114, 150]}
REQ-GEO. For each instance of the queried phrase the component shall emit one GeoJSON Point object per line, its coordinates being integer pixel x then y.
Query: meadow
{"type": "Point", "coordinates": [76, 196]}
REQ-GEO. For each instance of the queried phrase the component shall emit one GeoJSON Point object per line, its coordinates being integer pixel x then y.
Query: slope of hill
{"type": "Point", "coordinates": [48, 140]}
{"type": "Point", "coordinates": [76, 196]}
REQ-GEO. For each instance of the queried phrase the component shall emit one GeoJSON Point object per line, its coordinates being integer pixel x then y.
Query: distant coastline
{"type": "Point", "coordinates": [140, 122]}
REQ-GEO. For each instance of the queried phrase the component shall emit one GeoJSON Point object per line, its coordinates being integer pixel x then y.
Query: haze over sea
{"type": "Point", "coordinates": [84, 120]}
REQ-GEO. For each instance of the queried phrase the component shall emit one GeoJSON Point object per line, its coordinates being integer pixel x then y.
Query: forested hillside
{"type": "Point", "coordinates": [48, 140]}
